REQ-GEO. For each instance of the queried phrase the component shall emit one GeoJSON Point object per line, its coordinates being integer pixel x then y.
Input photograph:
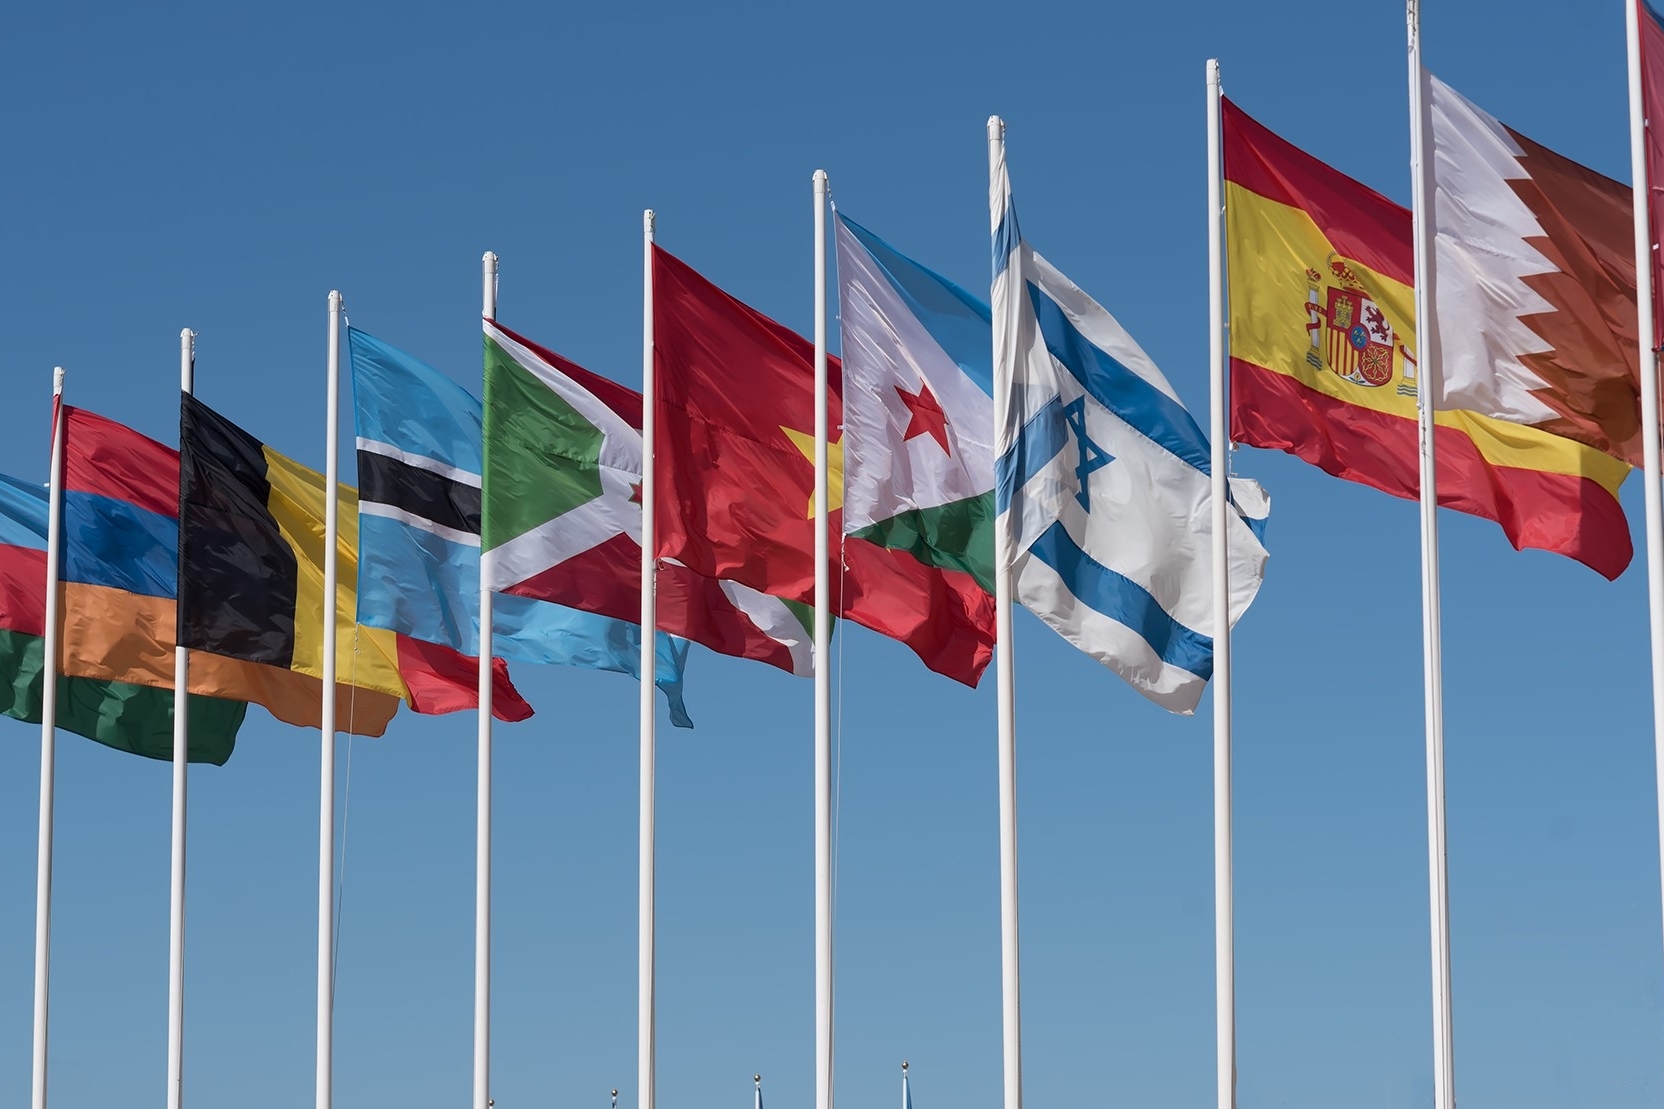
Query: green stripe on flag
{"type": "Point", "coordinates": [954, 536]}
{"type": "Point", "coordinates": [805, 613]}
{"type": "Point", "coordinates": [133, 718]}
{"type": "Point", "coordinates": [541, 456]}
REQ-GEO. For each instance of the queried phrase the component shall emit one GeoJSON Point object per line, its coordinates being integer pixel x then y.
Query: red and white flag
{"type": "Point", "coordinates": [1534, 279]}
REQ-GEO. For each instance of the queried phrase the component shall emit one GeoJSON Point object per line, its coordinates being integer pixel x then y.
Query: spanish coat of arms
{"type": "Point", "coordinates": [1350, 334]}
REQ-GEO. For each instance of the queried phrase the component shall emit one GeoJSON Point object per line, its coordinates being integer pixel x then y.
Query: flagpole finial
{"type": "Point", "coordinates": [648, 218]}
{"type": "Point", "coordinates": [996, 127]}
{"type": "Point", "coordinates": [904, 1066]}
{"type": "Point", "coordinates": [757, 1078]}
{"type": "Point", "coordinates": [820, 176]}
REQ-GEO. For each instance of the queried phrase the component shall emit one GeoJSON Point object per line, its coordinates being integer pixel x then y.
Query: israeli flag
{"type": "Point", "coordinates": [1103, 482]}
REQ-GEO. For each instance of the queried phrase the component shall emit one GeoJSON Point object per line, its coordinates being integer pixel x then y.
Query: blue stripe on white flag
{"type": "Point", "coordinates": [1044, 435]}
{"type": "Point", "coordinates": [1006, 236]}
{"type": "Point", "coordinates": [1157, 416]}
{"type": "Point", "coordinates": [1125, 601]}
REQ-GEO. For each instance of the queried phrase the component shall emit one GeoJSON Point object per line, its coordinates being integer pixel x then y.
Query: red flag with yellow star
{"type": "Point", "coordinates": [735, 475]}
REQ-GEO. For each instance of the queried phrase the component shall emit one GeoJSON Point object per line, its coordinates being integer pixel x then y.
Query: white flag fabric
{"type": "Point", "coordinates": [1103, 488]}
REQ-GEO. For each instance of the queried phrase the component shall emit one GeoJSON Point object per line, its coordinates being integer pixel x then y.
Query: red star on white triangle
{"type": "Point", "coordinates": [927, 416]}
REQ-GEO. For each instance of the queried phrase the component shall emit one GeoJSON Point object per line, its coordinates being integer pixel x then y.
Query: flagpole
{"type": "Point", "coordinates": [1650, 461]}
{"type": "Point", "coordinates": [906, 1093]}
{"type": "Point", "coordinates": [1224, 908]}
{"type": "Point", "coordinates": [482, 827]}
{"type": "Point", "coordinates": [1005, 675]}
{"type": "Point", "coordinates": [326, 730]}
{"type": "Point", "coordinates": [48, 742]}
{"type": "Point", "coordinates": [181, 763]}
{"type": "Point", "coordinates": [823, 679]}
{"type": "Point", "coordinates": [646, 937]}
{"type": "Point", "coordinates": [757, 1101]}
{"type": "Point", "coordinates": [1427, 391]}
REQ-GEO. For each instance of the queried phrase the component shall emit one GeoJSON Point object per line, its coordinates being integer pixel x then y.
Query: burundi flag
{"type": "Point", "coordinates": [1534, 257]}
{"type": "Point", "coordinates": [736, 477]}
{"type": "Point", "coordinates": [1104, 488]}
{"type": "Point", "coordinates": [918, 413]}
{"type": "Point", "coordinates": [419, 466]}
{"type": "Point", "coordinates": [125, 715]}
{"type": "Point", "coordinates": [251, 573]}
{"type": "Point", "coordinates": [1322, 301]}
{"type": "Point", "coordinates": [562, 510]}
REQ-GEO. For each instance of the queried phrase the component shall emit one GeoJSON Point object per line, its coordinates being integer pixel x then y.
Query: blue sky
{"type": "Point", "coordinates": [223, 166]}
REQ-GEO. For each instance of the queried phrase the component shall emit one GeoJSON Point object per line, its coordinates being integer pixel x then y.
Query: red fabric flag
{"type": "Point", "coordinates": [443, 680]}
{"type": "Point", "coordinates": [736, 476]}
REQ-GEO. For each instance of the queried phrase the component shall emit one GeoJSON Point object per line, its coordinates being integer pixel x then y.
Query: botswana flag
{"type": "Point", "coordinates": [251, 575]}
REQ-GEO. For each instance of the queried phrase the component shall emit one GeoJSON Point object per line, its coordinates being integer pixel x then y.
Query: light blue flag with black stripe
{"type": "Point", "coordinates": [1102, 482]}
{"type": "Point", "coordinates": [419, 464]}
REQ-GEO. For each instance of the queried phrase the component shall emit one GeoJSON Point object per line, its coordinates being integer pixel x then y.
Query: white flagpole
{"type": "Point", "coordinates": [1649, 393]}
{"type": "Point", "coordinates": [757, 1100]}
{"type": "Point", "coordinates": [181, 763]}
{"type": "Point", "coordinates": [823, 679]}
{"type": "Point", "coordinates": [1224, 922]}
{"type": "Point", "coordinates": [1427, 392]}
{"type": "Point", "coordinates": [1005, 675]}
{"type": "Point", "coordinates": [906, 1094]}
{"type": "Point", "coordinates": [646, 937]}
{"type": "Point", "coordinates": [482, 827]}
{"type": "Point", "coordinates": [326, 730]}
{"type": "Point", "coordinates": [48, 741]}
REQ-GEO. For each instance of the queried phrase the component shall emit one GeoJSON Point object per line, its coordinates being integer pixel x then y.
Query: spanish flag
{"type": "Point", "coordinates": [251, 577]}
{"type": "Point", "coordinates": [1323, 365]}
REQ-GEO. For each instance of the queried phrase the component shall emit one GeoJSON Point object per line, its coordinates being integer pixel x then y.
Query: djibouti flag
{"type": "Point", "coordinates": [918, 409]}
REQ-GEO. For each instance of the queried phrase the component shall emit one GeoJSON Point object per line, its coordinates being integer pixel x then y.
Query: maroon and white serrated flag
{"type": "Point", "coordinates": [1534, 275]}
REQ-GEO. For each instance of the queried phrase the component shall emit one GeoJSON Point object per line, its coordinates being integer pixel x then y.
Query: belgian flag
{"type": "Point", "coordinates": [251, 587]}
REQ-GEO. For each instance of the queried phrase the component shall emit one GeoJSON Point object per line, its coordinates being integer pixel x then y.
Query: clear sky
{"type": "Point", "coordinates": [222, 166]}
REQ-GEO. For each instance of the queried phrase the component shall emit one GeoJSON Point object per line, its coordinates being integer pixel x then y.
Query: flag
{"type": "Point", "coordinates": [251, 572]}
{"type": "Point", "coordinates": [918, 414]}
{"type": "Point", "coordinates": [1104, 488]}
{"type": "Point", "coordinates": [736, 477]}
{"type": "Point", "coordinates": [123, 715]}
{"type": "Point", "coordinates": [419, 467]}
{"type": "Point", "coordinates": [1652, 108]}
{"type": "Point", "coordinates": [121, 575]}
{"type": "Point", "coordinates": [562, 522]}
{"type": "Point", "coordinates": [1535, 264]}
{"type": "Point", "coordinates": [1322, 326]}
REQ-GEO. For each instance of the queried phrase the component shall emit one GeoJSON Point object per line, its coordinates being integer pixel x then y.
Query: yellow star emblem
{"type": "Point", "coordinates": [805, 442]}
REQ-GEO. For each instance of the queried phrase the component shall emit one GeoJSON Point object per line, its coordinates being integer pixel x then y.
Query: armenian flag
{"type": "Point", "coordinates": [1323, 366]}
{"type": "Point", "coordinates": [123, 715]}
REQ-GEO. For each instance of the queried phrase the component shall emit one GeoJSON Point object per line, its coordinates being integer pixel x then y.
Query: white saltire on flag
{"type": "Point", "coordinates": [561, 517]}
{"type": "Point", "coordinates": [1103, 482]}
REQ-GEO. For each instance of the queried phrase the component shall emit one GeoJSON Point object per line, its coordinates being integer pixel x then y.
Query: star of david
{"type": "Point", "coordinates": [1092, 457]}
